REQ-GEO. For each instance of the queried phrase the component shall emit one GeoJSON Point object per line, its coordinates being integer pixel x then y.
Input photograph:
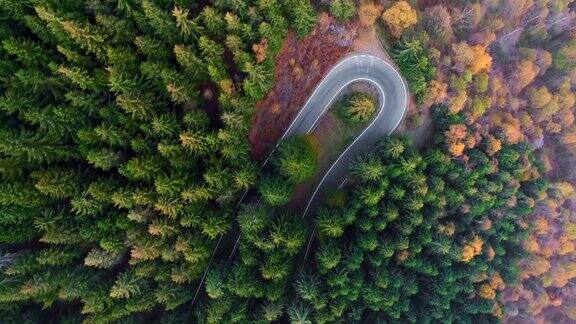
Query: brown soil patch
{"type": "Point", "coordinates": [300, 66]}
{"type": "Point", "coordinates": [367, 42]}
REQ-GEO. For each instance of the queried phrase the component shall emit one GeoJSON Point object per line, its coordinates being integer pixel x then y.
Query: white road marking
{"type": "Point", "coordinates": [343, 183]}
{"type": "Point", "coordinates": [206, 270]}
{"type": "Point", "coordinates": [380, 112]}
{"type": "Point", "coordinates": [304, 108]}
{"type": "Point", "coordinates": [321, 114]}
{"type": "Point", "coordinates": [309, 242]}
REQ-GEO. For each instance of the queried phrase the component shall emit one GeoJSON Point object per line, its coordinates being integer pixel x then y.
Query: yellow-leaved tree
{"type": "Point", "coordinates": [399, 17]}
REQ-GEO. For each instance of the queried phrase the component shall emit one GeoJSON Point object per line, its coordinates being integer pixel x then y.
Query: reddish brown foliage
{"type": "Point", "coordinates": [260, 50]}
{"type": "Point", "coordinates": [546, 291]}
{"type": "Point", "coordinates": [300, 65]}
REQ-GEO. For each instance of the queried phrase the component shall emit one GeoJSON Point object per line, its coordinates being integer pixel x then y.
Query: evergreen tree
{"type": "Point", "coordinates": [275, 191]}
{"type": "Point", "coordinates": [109, 160]}
{"type": "Point", "coordinates": [303, 16]}
{"type": "Point", "coordinates": [343, 10]}
{"type": "Point", "coordinates": [296, 159]}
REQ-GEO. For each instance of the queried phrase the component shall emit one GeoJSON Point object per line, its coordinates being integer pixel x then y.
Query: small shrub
{"type": "Point", "coordinates": [356, 108]}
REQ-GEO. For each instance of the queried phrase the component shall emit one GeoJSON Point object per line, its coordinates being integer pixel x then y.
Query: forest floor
{"type": "Point", "coordinates": [300, 66]}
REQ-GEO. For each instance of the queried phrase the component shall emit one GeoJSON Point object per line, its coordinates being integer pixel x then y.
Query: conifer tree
{"type": "Point", "coordinates": [343, 10]}
{"type": "Point", "coordinates": [109, 159]}
{"type": "Point", "coordinates": [296, 160]}
{"type": "Point", "coordinates": [275, 191]}
{"type": "Point", "coordinates": [303, 16]}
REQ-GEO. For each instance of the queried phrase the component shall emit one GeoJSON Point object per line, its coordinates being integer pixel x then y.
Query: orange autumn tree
{"type": "Point", "coordinates": [541, 226]}
{"type": "Point", "coordinates": [481, 61]}
{"type": "Point", "coordinates": [510, 127]}
{"type": "Point", "coordinates": [569, 138]}
{"type": "Point", "coordinates": [486, 291]}
{"type": "Point", "coordinates": [537, 266]}
{"type": "Point", "coordinates": [455, 139]}
{"type": "Point", "coordinates": [472, 58]}
{"type": "Point", "coordinates": [526, 72]}
{"type": "Point", "coordinates": [494, 145]}
{"type": "Point", "coordinates": [260, 50]}
{"type": "Point", "coordinates": [497, 282]}
{"type": "Point", "coordinates": [571, 312]}
{"type": "Point", "coordinates": [471, 249]}
{"type": "Point", "coordinates": [399, 17]}
{"type": "Point", "coordinates": [436, 93]}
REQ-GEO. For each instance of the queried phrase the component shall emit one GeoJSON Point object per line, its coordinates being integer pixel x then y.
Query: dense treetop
{"type": "Point", "coordinates": [124, 146]}
{"type": "Point", "coordinates": [409, 241]}
{"type": "Point", "coordinates": [124, 152]}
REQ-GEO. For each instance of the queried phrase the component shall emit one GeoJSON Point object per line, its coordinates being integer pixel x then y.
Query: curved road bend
{"type": "Point", "coordinates": [393, 94]}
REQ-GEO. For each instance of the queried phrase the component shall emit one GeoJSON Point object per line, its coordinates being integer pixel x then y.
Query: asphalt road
{"type": "Point", "coordinates": [393, 103]}
{"type": "Point", "coordinates": [392, 107]}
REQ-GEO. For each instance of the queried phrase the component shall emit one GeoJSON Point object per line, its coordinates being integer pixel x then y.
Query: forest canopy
{"type": "Point", "coordinates": [124, 146]}
{"type": "Point", "coordinates": [411, 242]}
{"type": "Point", "coordinates": [130, 190]}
